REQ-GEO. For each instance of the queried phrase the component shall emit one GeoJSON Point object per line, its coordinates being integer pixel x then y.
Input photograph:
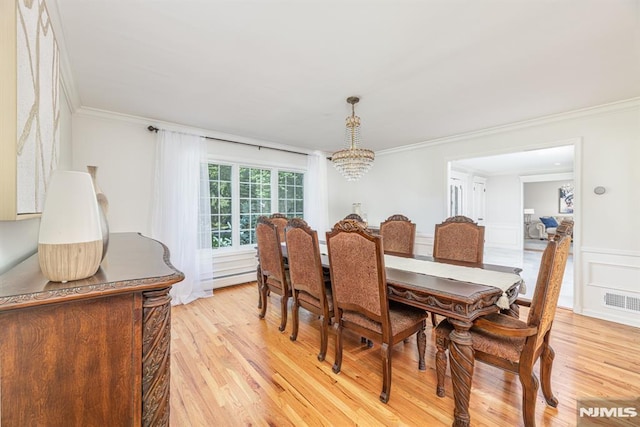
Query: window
{"type": "Point", "coordinates": [255, 201]}
{"type": "Point", "coordinates": [221, 205]}
{"type": "Point", "coordinates": [291, 194]}
{"type": "Point", "coordinates": [240, 194]}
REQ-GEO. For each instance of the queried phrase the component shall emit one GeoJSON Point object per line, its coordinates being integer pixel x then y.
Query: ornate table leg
{"type": "Point", "coordinates": [462, 360]}
{"type": "Point", "coordinates": [156, 348]}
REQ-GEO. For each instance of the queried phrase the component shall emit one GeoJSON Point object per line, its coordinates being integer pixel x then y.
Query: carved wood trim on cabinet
{"type": "Point", "coordinates": [93, 351]}
{"type": "Point", "coordinates": [156, 340]}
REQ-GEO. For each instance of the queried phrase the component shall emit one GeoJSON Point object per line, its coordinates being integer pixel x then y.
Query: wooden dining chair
{"type": "Point", "coordinates": [398, 234]}
{"type": "Point", "coordinates": [459, 238]}
{"type": "Point", "coordinates": [360, 302]}
{"type": "Point", "coordinates": [355, 217]}
{"type": "Point", "coordinates": [515, 345]}
{"type": "Point", "coordinates": [273, 276]}
{"type": "Point", "coordinates": [308, 281]}
{"type": "Point", "coordinates": [280, 220]}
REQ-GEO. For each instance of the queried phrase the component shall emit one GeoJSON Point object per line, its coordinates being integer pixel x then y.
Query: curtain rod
{"type": "Point", "coordinates": [151, 128]}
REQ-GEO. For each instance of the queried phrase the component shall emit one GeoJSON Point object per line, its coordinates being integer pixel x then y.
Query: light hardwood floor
{"type": "Point", "coordinates": [230, 368]}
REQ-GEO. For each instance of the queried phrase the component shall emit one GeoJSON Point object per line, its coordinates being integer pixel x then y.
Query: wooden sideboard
{"type": "Point", "coordinates": [92, 352]}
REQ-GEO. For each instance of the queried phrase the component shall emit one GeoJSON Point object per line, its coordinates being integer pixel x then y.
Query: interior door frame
{"type": "Point", "coordinates": [577, 214]}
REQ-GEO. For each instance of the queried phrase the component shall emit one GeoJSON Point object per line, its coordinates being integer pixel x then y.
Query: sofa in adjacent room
{"type": "Point", "coordinates": [545, 226]}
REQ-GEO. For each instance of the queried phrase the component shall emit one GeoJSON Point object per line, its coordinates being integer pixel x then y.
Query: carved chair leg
{"type": "Point", "coordinates": [337, 364]}
{"type": "Point", "coordinates": [442, 345]}
{"type": "Point", "coordinates": [295, 309]}
{"type": "Point", "coordinates": [386, 372]}
{"type": "Point", "coordinates": [421, 337]}
{"type": "Point", "coordinates": [324, 325]}
{"type": "Point", "coordinates": [263, 298]}
{"type": "Point", "coordinates": [259, 280]}
{"type": "Point", "coordinates": [529, 394]}
{"type": "Point", "coordinates": [546, 364]}
{"type": "Point", "coordinates": [283, 308]}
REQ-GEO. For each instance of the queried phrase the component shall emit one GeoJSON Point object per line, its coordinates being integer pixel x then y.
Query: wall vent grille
{"type": "Point", "coordinates": [623, 302]}
{"type": "Point", "coordinates": [633, 304]}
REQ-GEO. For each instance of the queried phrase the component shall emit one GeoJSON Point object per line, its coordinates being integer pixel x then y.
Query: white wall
{"type": "Point", "coordinates": [124, 151]}
{"type": "Point", "coordinates": [19, 239]}
{"type": "Point", "coordinates": [413, 182]}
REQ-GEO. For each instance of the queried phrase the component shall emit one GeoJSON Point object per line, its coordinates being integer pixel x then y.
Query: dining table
{"type": "Point", "coordinates": [456, 297]}
{"type": "Point", "coordinates": [461, 303]}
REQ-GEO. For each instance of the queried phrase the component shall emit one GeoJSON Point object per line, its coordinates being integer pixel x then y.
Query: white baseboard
{"type": "Point", "coordinates": [623, 318]}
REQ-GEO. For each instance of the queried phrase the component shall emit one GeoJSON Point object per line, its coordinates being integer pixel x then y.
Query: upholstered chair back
{"type": "Point", "coordinates": [270, 251]}
{"type": "Point", "coordinates": [398, 234]}
{"type": "Point", "coordinates": [459, 238]}
{"type": "Point", "coordinates": [547, 292]}
{"type": "Point", "coordinates": [305, 266]}
{"type": "Point", "coordinates": [357, 270]}
{"type": "Point", "coordinates": [280, 221]}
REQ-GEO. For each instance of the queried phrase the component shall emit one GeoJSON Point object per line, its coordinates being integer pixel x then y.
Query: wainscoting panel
{"type": "Point", "coordinates": [611, 285]}
{"type": "Point", "coordinates": [502, 236]}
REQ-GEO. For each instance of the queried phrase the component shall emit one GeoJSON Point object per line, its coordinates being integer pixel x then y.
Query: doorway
{"type": "Point", "coordinates": [503, 179]}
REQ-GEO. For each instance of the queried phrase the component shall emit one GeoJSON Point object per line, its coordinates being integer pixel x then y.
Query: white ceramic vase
{"type": "Point", "coordinates": [70, 238]}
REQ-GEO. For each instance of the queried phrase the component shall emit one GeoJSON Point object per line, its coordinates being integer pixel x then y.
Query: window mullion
{"type": "Point", "coordinates": [275, 207]}
{"type": "Point", "coordinates": [235, 196]}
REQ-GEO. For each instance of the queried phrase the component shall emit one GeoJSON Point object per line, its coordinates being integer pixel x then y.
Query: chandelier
{"type": "Point", "coordinates": [353, 162]}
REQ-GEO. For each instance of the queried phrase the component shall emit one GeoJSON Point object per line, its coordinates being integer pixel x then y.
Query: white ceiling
{"type": "Point", "coordinates": [531, 162]}
{"type": "Point", "coordinates": [280, 71]}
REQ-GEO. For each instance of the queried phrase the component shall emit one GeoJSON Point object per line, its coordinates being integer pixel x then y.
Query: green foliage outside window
{"type": "Point", "coordinates": [253, 200]}
{"type": "Point", "coordinates": [221, 205]}
{"type": "Point", "coordinates": [291, 194]}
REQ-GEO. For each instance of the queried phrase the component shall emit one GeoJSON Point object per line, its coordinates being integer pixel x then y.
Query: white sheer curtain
{"type": "Point", "coordinates": [175, 208]}
{"type": "Point", "coordinates": [316, 203]}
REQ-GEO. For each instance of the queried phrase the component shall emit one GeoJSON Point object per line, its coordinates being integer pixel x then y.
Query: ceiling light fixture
{"type": "Point", "coordinates": [353, 162]}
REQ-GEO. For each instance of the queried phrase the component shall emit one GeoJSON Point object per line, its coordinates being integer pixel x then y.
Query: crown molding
{"type": "Point", "coordinates": [67, 81]}
{"type": "Point", "coordinates": [583, 112]}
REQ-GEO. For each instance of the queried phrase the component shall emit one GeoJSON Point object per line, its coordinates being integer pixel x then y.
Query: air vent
{"type": "Point", "coordinates": [633, 304]}
{"type": "Point", "coordinates": [614, 300]}
{"type": "Point", "coordinates": [623, 302]}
